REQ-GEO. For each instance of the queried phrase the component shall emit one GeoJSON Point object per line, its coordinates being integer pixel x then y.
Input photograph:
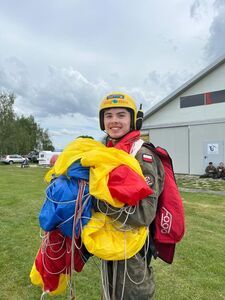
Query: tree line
{"type": "Point", "coordinates": [20, 134]}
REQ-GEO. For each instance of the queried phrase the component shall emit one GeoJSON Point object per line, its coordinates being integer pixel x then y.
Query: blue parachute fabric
{"type": "Point", "coordinates": [62, 207]}
{"type": "Point", "coordinates": [77, 171]}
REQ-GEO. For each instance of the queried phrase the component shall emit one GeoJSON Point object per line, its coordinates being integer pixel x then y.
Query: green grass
{"type": "Point", "coordinates": [198, 271]}
{"type": "Point", "coordinates": [194, 182]}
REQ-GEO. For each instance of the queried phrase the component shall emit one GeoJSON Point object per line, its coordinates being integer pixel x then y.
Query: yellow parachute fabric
{"type": "Point", "coordinates": [109, 240]}
{"type": "Point", "coordinates": [101, 160]}
{"type": "Point", "coordinates": [36, 279]}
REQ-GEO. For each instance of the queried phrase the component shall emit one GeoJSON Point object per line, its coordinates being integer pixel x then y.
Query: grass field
{"type": "Point", "coordinates": [198, 271]}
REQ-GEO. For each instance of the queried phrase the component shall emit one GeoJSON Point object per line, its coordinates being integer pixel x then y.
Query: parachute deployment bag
{"type": "Point", "coordinates": [169, 225]}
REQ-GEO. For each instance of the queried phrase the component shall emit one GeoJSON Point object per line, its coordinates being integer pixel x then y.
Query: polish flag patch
{"type": "Point", "coordinates": [147, 158]}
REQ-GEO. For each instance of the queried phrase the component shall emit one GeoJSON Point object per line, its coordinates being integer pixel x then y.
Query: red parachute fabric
{"type": "Point", "coordinates": [54, 258]}
{"type": "Point", "coordinates": [122, 180]}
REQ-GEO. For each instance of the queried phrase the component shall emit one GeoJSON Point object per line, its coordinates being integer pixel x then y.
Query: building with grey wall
{"type": "Point", "coordinates": [190, 122]}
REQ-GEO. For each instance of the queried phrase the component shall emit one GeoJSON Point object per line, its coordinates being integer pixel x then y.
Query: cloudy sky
{"type": "Point", "coordinates": [60, 57]}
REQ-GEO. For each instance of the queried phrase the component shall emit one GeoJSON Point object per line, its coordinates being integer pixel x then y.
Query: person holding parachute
{"type": "Point", "coordinates": [131, 278]}
{"type": "Point", "coordinates": [103, 200]}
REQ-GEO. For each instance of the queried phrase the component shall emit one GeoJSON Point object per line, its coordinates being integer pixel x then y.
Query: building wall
{"type": "Point", "coordinates": [175, 141]}
{"type": "Point", "coordinates": [172, 112]}
{"type": "Point", "coordinates": [200, 135]}
{"type": "Point", "coordinates": [187, 145]}
{"type": "Point", "coordinates": [201, 125]}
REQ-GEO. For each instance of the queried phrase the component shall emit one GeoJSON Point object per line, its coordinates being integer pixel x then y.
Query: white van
{"type": "Point", "coordinates": [44, 158]}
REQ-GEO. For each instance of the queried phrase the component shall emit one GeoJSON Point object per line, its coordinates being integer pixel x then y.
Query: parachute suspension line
{"type": "Point", "coordinates": [76, 220]}
{"type": "Point", "coordinates": [115, 265]}
{"type": "Point", "coordinates": [45, 245]}
{"type": "Point", "coordinates": [41, 233]}
{"type": "Point", "coordinates": [72, 296]}
{"type": "Point", "coordinates": [124, 278]}
{"type": "Point", "coordinates": [127, 211]}
{"type": "Point", "coordinates": [130, 210]}
{"type": "Point", "coordinates": [111, 208]}
{"type": "Point", "coordinates": [79, 217]}
{"type": "Point", "coordinates": [79, 207]}
{"type": "Point", "coordinates": [125, 266]}
{"type": "Point", "coordinates": [145, 262]}
{"type": "Point", "coordinates": [54, 201]}
{"type": "Point", "coordinates": [105, 279]}
{"type": "Point", "coordinates": [80, 211]}
{"type": "Point", "coordinates": [43, 295]}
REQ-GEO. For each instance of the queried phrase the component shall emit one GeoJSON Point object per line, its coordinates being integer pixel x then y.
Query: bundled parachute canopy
{"type": "Point", "coordinates": [101, 160]}
{"type": "Point", "coordinates": [67, 202]}
{"type": "Point", "coordinates": [52, 267]}
{"type": "Point", "coordinates": [127, 186]}
{"type": "Point", "coordinates": [84, 170]}
{"type": "Point", "coordinates": [107, 239]}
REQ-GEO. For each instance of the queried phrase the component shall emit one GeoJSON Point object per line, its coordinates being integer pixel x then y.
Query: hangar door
{"type": "Point", "coordinates": [175, 140]}
{"type": "Point", "coordinates": [213, 151]}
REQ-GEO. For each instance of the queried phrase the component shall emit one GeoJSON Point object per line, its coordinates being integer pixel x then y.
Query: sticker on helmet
{"type": "Point", "coordinates": [118, 96]}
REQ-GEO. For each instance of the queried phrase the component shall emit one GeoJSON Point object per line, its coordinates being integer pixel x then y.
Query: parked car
{"type": "Point", "coordinates": [33, 156]}
{"type": "Point", "coordinates": [11, 159]}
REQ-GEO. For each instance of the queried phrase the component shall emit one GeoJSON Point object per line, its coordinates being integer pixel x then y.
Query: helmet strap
{"type": "Point", "coordinates": [139, 118]}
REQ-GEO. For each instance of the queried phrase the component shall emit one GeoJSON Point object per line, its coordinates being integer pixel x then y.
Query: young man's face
{"type": "Point", "coordinates": [117, 122]}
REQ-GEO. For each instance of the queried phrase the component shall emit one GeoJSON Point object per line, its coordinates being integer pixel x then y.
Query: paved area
{"type": "Point", "coordinates": [202, 191]}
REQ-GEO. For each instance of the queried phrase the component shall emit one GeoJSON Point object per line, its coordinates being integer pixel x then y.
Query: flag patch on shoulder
{"type": "Point", "coordinates": [147, 157]}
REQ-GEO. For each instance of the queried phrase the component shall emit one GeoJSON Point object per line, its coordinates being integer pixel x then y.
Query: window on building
{"type": "Point", "coordinates": [202, 99]}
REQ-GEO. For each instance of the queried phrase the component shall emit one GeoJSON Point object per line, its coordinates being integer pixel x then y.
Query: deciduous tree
{"type": "Point", "coordinates": [20, 134]}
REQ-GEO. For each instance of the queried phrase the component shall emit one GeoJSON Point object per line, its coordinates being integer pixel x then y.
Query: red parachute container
{"type": "Point", "coordinates": [169, 223]}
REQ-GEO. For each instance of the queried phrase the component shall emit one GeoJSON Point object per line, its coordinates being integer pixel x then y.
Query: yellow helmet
{"type": "Point", "coordinates": [118, 99]}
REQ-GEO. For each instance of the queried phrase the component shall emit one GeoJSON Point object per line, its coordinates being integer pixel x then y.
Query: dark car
{"type": "Point", "coordinates": [33, 156]}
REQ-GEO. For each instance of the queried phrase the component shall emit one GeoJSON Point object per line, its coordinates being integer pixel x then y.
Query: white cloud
{"type": "Point", "coordinates": [61, 58]}
{"type": "Point", "coordinates": [65, 128]}
{"type": "Point", "coordinates": [162, 84]}
{"type": "Point", "coordinates": [216, 43]}
{"type": "Point", "coordinates": [67, 91]}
